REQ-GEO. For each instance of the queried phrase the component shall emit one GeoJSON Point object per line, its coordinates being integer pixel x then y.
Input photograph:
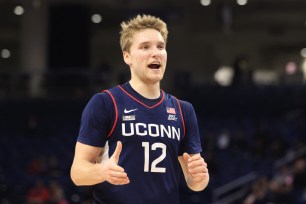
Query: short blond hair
{"type": "Point", "coordinates": [140, 22]}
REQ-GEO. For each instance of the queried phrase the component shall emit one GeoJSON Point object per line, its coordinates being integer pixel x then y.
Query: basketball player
{"type": "Point", "coordinates": [134, 137]}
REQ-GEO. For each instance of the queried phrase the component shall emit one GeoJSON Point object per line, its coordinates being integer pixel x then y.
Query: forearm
{"type": "Point", "coordinates": [86, 173]}
{"type": "Point", "coordinates": [197, 185]}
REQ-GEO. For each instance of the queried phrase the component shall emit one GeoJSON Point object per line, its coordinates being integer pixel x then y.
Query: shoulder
{"type": "Point", "coordinates": [104, 96]}
{"type": "Point", "coordinates": [185, 105]}
{"type": "Point", "coordinates": [100, 98]}
{"type": "Point", "coordinates": [187, 108]}
{"type": "Point", "coordinates": [99, 101]}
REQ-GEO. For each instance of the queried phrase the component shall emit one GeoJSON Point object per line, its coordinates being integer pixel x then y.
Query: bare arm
{"type": "Point", "coordinates": [195, 171]}
{"type": "Point", "coordinates": [86, 171]}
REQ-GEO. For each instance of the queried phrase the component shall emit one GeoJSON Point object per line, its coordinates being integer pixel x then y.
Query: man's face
{"type": "Point", "coordinates": [147, 57]}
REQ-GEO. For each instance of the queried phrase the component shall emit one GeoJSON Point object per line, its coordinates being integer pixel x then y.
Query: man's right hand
{"type": "Point", "coordinates": [113, 172]}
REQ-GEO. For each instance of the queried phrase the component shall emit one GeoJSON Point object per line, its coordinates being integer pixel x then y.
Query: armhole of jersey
{"type": "Point", "coordinates": [116, 113]}
{"type": "Point", "coordinates": [183, 120]}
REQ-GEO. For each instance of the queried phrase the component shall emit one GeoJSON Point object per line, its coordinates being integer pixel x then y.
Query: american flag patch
{"type": "Point", "coordinates": [170, 110]}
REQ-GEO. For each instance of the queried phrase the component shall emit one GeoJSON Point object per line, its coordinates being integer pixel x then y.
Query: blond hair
{"type": "Point", "coordinates": [140, 22]}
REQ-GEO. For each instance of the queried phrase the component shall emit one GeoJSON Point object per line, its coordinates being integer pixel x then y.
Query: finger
{"type": "Point", "coordinates": [117, 152]}
{"type": "Point", "coordinates": [195, 157]}
{"type": "Point", "coordinates": [199, 169]}
{"type": "Point", "coordinates": [116, 168]}
{"type": "Point", "coordinates": [119, 181]}
{"type": "Point", "coordinates": [116, 178]}
{"type": "Point", "coordinates": [199, 175]}
{"type": "Point", "coordinates": [118, 174]}
{"type": "Point", "coordinates": [186, 156]}
{"type": "Point", "coordinates": [197, 163]}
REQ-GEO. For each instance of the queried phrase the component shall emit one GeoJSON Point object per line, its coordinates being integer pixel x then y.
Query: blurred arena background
{"type": "Point", "coordinates": [242, 63]}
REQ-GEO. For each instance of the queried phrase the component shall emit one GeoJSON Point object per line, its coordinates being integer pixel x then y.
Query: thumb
{"type": "Point", "coordinates": [186, 156]}
{"type": "Point", "coordinates": [117, 152]}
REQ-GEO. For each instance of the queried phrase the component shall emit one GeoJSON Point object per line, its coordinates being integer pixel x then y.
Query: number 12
{"type": "Point", "coordinates": [154, 146]}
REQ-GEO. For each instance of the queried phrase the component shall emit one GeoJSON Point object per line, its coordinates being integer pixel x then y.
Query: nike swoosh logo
{"type": "Point", "coordinates": [128, 111]}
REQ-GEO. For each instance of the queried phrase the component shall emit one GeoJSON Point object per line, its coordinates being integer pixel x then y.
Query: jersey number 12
{"type": "Point", "coordinates": [154, 167]}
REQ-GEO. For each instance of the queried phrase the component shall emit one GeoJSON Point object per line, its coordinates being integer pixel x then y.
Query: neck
{"type": "Point", "coordinates": [150, 91]}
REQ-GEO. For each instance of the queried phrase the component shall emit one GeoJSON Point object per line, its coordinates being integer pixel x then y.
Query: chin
{"type": "Point", "coordinates": [155, 80]}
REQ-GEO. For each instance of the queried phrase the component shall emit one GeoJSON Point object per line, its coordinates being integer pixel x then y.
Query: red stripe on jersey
{"type": "Point", "coordinates": [161, 100]}
{"type": "Point", "coordinates": [116, 112]}
{"type": "Point", "coordinates": [183, 121]}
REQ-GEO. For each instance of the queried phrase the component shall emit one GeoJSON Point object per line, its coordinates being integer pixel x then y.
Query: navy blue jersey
{"type": "Point", "coordinates": [153, 134]}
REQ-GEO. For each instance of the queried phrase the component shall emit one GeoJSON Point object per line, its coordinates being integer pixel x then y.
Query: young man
{"type": "Point", "coordinates": [134, 136]}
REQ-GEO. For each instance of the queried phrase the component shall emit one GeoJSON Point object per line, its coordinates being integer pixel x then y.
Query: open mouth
{"type": "Point", "coordinates": [154, 66]}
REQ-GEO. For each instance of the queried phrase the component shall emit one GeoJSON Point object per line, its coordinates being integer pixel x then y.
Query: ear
{"type": "Point", "coordinates": [126, 57]}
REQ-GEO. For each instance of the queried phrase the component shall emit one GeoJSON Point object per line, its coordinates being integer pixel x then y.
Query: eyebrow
{"type": "Point", "coordinates": [148, 42]}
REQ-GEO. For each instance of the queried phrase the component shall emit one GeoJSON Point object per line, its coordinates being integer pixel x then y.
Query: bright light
{"type": "Point", "coordinates": [5, 53]}
{"type": "Point", "coordinates": [291, 68]}
{"type": "Point", "coordinates": [205, 2]}
{"type": "Point", "coordinates": [242, 2]}
{"type": "Point", "coordinates": [18, 10]}
{"type": "Point", "coordinates": [265, 77]}
{"type": "Point", "coordinates": [224, 76]}
{"type": "Point", "coordinates": [96, 18]}
{"type": "Point", "coordinates": [304, 69]}
{"type": "Point", "coordinates": [303, 52]}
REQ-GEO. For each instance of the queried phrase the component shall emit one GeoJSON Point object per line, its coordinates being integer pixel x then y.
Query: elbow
{"type": "Point", "coordinates": [75, 178]}
{"type": "Point", "coordinates": [75, 181]}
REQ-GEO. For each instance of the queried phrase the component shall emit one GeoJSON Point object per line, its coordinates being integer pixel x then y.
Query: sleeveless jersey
{"type": "Point", "coordinates": [152, 139]}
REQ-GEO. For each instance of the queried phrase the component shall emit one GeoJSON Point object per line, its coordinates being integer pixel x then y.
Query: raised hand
{"type": "Point", "coordinates": [114, 173]}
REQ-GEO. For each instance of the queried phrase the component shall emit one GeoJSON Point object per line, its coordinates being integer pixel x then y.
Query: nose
{"type": "Point", "coordinates": [156, 52]}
